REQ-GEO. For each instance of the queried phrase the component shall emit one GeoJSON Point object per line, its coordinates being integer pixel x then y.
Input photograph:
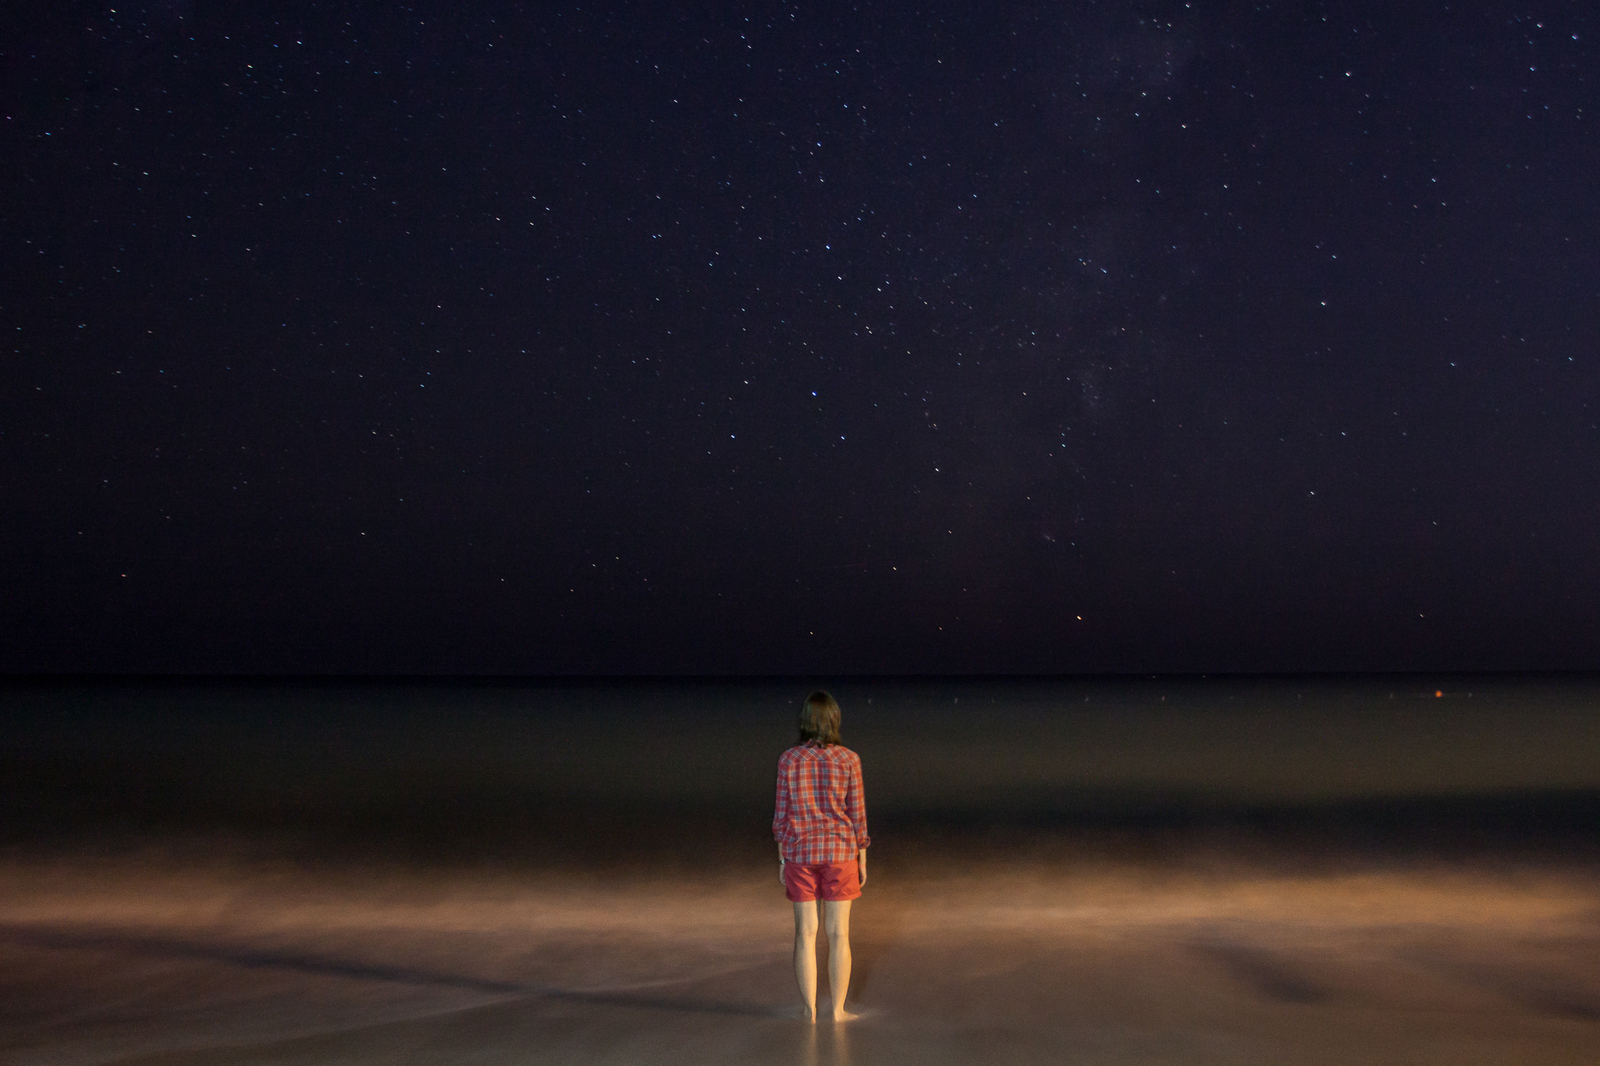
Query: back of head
{"type": "Point", "coordinates": [819, 720]}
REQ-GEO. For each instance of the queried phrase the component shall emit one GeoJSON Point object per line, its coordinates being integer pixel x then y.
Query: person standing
{"type": "Point", "coordinates": [820, 824]}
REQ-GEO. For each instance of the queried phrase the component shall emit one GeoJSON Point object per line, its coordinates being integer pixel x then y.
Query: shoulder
{"type": "Point", "coordinates": [844, 754]}
{"type": "Point", "coordinates": [791, 754]}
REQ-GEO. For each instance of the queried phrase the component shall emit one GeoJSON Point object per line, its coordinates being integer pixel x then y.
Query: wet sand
{"type": "Point", "coordinates": [187, 959]}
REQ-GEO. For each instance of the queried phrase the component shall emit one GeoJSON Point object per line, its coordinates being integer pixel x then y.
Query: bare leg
{"type": "Point", "coordinates": [836, 916]}
{"type": "Point", "coordinates": [805, 956]}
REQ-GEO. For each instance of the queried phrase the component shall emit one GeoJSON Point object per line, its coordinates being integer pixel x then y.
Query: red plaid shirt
{"type": "Point", "coordinates": [821, 815]}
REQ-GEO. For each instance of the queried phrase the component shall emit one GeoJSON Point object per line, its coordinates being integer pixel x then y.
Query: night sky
{"type": "Point", "coordinates": [688, 338]}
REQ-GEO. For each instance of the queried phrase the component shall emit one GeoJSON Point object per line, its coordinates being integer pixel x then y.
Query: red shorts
{"type": "Point", "coordinates": [835, 882]}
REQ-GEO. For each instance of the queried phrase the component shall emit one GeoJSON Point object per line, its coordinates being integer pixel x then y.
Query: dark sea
{"type": "Point", "coordinates": [1372, 869]}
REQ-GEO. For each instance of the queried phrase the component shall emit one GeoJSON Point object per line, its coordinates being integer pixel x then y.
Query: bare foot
{"type": "Point", "coordinates": [844, 1016]}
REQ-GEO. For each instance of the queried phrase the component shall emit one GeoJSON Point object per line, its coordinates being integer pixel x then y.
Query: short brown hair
{"type": "Point", "coordinates": [819, 719]}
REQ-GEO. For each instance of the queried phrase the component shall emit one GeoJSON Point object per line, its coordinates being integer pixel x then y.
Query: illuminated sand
{"type": "Point", "coordinates": [182, 960]}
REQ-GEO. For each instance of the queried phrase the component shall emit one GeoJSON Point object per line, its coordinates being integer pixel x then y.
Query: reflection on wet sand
{"type": "Point", "coordinates": [183, 961]}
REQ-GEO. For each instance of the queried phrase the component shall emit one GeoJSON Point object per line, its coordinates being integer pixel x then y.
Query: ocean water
{"type": "Point", "coordinates": [1104, 870]}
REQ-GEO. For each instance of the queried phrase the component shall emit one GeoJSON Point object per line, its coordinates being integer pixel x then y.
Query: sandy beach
{"type": "Point", "coordinates": [182, 959]}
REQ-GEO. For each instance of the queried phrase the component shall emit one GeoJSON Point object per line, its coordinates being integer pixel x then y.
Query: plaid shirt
{"type": "Point", "coordinates": [821, 815]}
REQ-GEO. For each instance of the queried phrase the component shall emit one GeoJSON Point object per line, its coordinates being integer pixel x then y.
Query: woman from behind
{"type": "Point", "coordinates": [820, 824]}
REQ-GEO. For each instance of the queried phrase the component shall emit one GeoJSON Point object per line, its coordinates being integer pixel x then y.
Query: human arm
{"type": "Point", "coordinates": [780, 816]}
{"type": "Point", "coordinates": [856, 806]}
{"type": "Point", "coordinates": [861, 865]}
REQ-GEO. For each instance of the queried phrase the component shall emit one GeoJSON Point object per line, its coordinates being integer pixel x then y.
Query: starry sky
{"type": "Point", "coordinates": [799, 338]}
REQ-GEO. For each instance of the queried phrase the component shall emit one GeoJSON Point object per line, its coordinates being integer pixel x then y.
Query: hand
{"type": "Point", "coordinates": [861, 866]}
{"type": "Point", "coordinates": [781, 880]}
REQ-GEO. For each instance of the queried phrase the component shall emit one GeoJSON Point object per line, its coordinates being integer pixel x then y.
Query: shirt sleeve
{"type": "Point", "coordinates": [780, 811]}
{"type": "Point", "coordinates": [858, 807]}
